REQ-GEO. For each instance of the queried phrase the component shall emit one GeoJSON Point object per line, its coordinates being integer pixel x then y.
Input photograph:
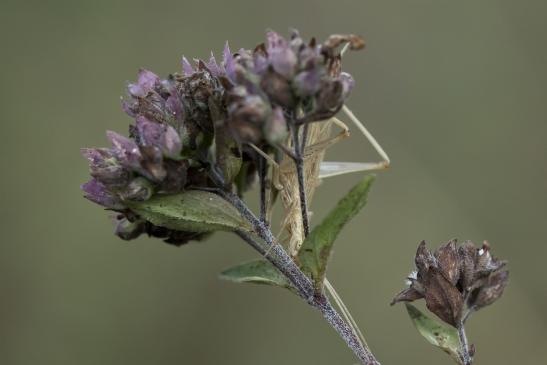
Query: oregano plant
{"type": "Point", "coordinates": [203, 137]}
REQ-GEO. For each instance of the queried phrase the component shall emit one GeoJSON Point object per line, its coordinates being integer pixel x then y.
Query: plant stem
{"type": "Point", "coordinates": [282, 261]}
{"type": "Point", "coordinates": [299, 163]}
{"type": "Point", "coordinates": [345, 311]}
{"type": "Point", "coordinates": [467, 314]}
{"type": "Point", "coordinates": [262, 174]}
{"type": "Point", "coordinates": [345, 331]}
{"type": "Point", "coordinates": [277, 255]}
{"type": "Point", "coordinates": [466, 357]}
{"type": "Point", "coordinates": [299, 148]}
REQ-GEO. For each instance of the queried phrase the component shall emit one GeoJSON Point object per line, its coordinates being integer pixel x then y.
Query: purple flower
{"type": "Point", "coordinates": [105, 167]}
{"type": "Point", "coordinates": [248, 97]}
{"type": "Point", "coordinates": [275, 129]}
{"type": "Point", "coordinates": [307, 83]}
{"type": "Point", "coordinates": [228, 62]}
{"type": "Point", "coordinates": [126, 150]}
{"type": "Point", "coordinates": [213, 67]}
{"type": "Point", "coordinates": [348, 82]}
{"type": "Point", "coordinates": [187, 68]}
{"type": "Point", "coordinates": [159, 135]}
{"type": "Point", "coordinates": [146, 82]}
{"type": "Point", "coordinates": [281, 56]}
{"type": "Point", "coordinates": [98, 193]}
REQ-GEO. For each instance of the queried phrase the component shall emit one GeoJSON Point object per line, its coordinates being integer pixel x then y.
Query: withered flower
{"type": "Point", "coordinates": [454, 281]}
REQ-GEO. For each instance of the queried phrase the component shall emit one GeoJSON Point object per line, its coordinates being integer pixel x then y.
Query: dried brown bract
{"type": "Point", "coordinates": [455, 281]}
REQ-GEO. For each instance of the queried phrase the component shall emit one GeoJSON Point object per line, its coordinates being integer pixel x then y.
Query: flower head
{"type": "Point", "coordinates": [200, 122]}
{"type": "Point", "coordinates": [454, 278]}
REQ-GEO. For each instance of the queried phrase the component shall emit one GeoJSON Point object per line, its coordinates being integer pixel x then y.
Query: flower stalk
{"type": "Point", "coordinates": [299, 165]}
{"type": "Point", "coordinates": [282, 261]}
{"type": "Point", "coordinates": [466, 356]}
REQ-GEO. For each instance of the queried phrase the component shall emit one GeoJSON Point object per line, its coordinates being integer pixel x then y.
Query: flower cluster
{"type": "Point", "coordinates": [286, 79]}
{"type": "Point", "coordinates": [198, 123]}
{"type": "Point", "coordinates": [453, 279]}
{"type": "Point", "coordinates": [165, 154]}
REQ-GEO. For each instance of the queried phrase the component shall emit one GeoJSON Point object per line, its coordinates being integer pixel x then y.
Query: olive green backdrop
{"type": "Point", "coordinates": [454, 90]}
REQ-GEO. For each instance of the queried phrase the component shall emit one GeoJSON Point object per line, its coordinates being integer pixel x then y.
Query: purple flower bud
{"type": "Point", "coordinates": [159, 135]}
{"type": "Point", "coordinates": [330, 95]}
{"type": "Point", "coordinates": [281, 56]}
{"type": "Point", "coordinates": [130, 107]}
{"type": "Point", "coordinates": [307, 83]}
{"type": "Point", "coordinates": [98, 193]}
{"type": "Point", "coordinates": [277, 88]}
{"type": "Point", "coordinates": [174, 107]}
{"type": "Point", "coordinates": [260, 61]}
{"type": "Point", "coordinates": [187, 68]}
{"type": "Point", "coordinates": [125, 150]}
{"type": "Point", "coordinates": [309, 58]}
{"type": "Point", "coordinates": [247, 116]}
{"type": "Point", "coordinates": [275, 129]}
{"type": "Point", "coordinates": [213, 66]}
{"type": "Point", "coordinates": [228, 62]}
{"type": "Point", "coordinates": [152, 163]}
{"type": "Point", "coordinates": [347, 84]}
{"type": "Point", "coordinates": [105, 167]}
{"type": "Point", "coordinates": [145, 83]}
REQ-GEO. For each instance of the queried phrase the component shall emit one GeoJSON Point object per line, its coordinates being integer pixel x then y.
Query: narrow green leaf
{"type": "Point", "coordinates": [316, 249]}
{"type": "Point", "coordinates": [193, 211]}
{"type": "Point", "coordinates": [436, 333]}
{"type": "Point", "coordinates": [257, 272]}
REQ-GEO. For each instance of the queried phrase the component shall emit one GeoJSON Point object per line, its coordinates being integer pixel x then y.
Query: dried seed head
{"type": "Point", "coordinates": [453, 277]}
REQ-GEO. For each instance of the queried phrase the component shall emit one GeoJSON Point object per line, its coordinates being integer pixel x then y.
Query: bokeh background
{"type": "Point", "coordinates": [454, 90]}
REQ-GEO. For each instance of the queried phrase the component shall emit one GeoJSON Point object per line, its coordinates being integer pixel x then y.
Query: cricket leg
{"type": "Point", "coordinates": [380, 165]}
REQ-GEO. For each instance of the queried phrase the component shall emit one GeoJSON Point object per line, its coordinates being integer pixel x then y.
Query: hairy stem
{"type": "Point", "coordinates": [345, 331]}
{"type": "Point", "coordinates": [345, 312]}
{"type": "Point", "coordinates": [466, 357]}
{"type": "Point", "coordinates": [281, 259]}
{"type": "Point", "coordinates": [277, 255]}
{"type": "Point", "coordinates": [299, 163]}
{"type": "Point", "coordinates": [262, 174]}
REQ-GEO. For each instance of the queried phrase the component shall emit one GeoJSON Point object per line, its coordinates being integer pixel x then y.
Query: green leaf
{"type": "Point", "coordinates": [193, 211]}
{"type": "Point", "coordinates": [257, 272]}
{"type": "Point", "coordinates": [436, 333]}
{"type": "Point", "coordinates": [316, 249]}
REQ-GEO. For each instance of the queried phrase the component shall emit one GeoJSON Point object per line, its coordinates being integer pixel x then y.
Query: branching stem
{"type": "Point", "coordinates": [282, 261]}
{"type": "Point", "coordinates": [262, 176]}
{"type": "Point", "coordinates": [277, 255]}
{"type": "Point", "coordinates": [466, 357]}
{"type": "Point", "coordinates": [299, 163]}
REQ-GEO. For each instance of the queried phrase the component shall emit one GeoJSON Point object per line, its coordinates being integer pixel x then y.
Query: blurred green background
{"type": "Point", "coordinates": [454, 90]}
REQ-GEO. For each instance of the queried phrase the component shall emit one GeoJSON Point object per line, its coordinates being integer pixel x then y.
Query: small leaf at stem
{"type": "Point", "coordinates": [436, 333]}
{"type": "Point", "coordinates": [316, 249]}
{"type": "Point", "coordinates": [193, 211]}
{"type": "Point", "coordinates": [257, 272]}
